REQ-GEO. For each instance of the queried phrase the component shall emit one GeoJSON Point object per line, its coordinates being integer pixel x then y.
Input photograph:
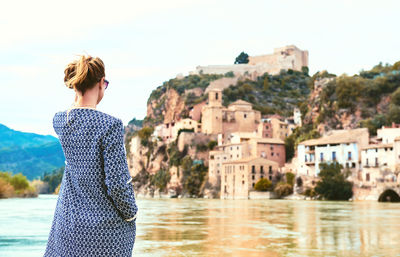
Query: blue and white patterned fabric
{"type": "Point", "coordinates": [96, 208]}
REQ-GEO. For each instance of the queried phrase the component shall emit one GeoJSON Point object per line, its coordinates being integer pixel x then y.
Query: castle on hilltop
{"type": "Point", "coordinates": [283, 58]}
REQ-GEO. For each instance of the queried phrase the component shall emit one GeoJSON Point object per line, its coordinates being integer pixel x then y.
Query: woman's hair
{"type": "Point", "coordinates": [84, 73]}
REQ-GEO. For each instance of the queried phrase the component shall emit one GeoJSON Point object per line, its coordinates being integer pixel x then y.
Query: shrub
{"type": "Point", "coordinates": [212, 144]}
{"type": "Point", "coordinates": [6, 189]}
{"type": "Point", "coordinates": [310, 192]}
{"type": "Point", "coordinates": [263, 185]}
{"type": "Point", "coordinates": [290, 178]}
{"type": "Point", "coordinates": [283, 189]}
{"type": "Point", "coordinates": [19, 182]}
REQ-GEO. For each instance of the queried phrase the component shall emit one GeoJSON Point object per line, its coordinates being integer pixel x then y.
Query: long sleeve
{"type": "Point", "coordinates": [117, 178]}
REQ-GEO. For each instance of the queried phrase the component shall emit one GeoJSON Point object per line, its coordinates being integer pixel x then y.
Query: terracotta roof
{"type": "Point", "coordinates": [250, 159]}
{"type": "Point", "coordinates": [338, 137]}
{"type": "Point", "coordinates": [374, 146]}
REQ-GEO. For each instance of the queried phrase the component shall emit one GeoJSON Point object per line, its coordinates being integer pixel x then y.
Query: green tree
{"type": "Point", "coordinates": [333, 184]}
{"type": "Point", "coordinates": [144, 135]}
{"type": "Point", "coordinates": [242, 58]}
{"type": "Point", "coordinates": [263, 185]}
{"type": "Point", "coordinates": [53, 179]}
{"type": "Point", "coordinates": [161, 179]}
{"type": "Point", "coordinates": [19, 182]}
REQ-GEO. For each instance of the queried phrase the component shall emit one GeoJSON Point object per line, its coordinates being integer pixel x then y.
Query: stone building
{"type": "Point", "coordinates": [238, 116]}
{"type": "Point", "coordinates": [238, 177]}
{"type": "Point", "coordinates": [283, 58]}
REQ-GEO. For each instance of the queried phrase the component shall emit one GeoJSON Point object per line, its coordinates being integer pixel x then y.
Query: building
{"type": "Point", "coordinates": [169, 131]}
{"type": "Point", "coordinates": [283, 58]}
{"type": "Point", "coordinates": [342, 146]}
{"type": "Point", "coordinates": [244, 145]}
{"type": "Point", "coordinates": [378, 162]}
{"type": "Point", "coordinates": [238, 116]}
{"type": "Point", "coordinates": [239, 177]}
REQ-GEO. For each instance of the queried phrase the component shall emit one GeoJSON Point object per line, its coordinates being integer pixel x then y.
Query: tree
{"type": "Point", "coordinates": [333, 184]}
{"type": "Point", "coordinates": [263, 185]}
{"type": "Point", "coordinates": [161, 179]}
{"type": "Point", "coordinates": [242, 58]}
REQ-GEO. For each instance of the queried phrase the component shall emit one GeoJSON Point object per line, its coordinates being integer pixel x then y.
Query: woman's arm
{"type": "Point", "coordinates": [117, 178]}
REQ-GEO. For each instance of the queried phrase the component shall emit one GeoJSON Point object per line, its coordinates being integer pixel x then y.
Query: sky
{"type": "Point", "coordinates": [144, 43]}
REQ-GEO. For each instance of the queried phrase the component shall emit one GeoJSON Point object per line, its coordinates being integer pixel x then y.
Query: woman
{"type": "Point", "coordinates": [96, 209]}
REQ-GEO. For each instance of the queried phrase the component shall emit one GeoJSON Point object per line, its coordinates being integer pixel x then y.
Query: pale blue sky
{"type": "Point", "coordinates": [144, 43]}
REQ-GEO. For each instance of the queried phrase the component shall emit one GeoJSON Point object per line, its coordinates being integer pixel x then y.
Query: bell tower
{"type": "Point", "coordinates": [215, 97]}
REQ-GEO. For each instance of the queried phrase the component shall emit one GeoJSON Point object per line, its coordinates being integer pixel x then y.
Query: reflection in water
{"type": "Point", "coordinates": [193, 227]}
{"type": "Point", "coordinates": [197, 227]}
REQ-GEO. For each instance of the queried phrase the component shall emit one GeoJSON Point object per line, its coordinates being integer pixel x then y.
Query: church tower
{"type": "Point", "coordinates": [211, 115]}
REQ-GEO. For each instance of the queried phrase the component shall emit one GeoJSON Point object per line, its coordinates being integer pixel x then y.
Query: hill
{"type": "Point", "coordinates": [29, 153]}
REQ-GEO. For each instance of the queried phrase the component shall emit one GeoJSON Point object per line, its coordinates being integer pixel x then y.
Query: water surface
{"type": "Point", "coordinates": [200, 227]}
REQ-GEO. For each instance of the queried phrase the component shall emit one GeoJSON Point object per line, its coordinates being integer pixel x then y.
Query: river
{"type": "Point", "coordinates": [201, 227]}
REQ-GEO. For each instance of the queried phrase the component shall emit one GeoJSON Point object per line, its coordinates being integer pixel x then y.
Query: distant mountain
{"type": "Point", "coordinates": [29, 153]}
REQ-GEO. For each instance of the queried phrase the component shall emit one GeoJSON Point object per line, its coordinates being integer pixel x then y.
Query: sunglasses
{"type": "Point", "coordinates": [106, 82]}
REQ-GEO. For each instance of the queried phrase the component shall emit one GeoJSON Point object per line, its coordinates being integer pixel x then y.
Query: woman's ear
{"type": "Point", "coordinates": [101, 83]}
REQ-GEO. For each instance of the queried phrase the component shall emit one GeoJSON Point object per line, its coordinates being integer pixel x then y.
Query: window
{"type": "Point", "coordinates": [261, 169]}
{"type": "Point", "coordinates": [253, 177]}
{"type": "Point", "coordinates": [305, 158]}
{"type": "Point", "coordinates": [376, 162]}
{"type": "Point", "coordinates": [253, 184]}
{"type": "Point", "coordinates": [212, 157]}
{"type": "Point", "coordinates": [333, 156]}
{"type": "Point", "coordinates": [349, 156]}
{"type": "Point", "coordinates": [321, 157]}
{"type": "Point", "coordinates": [216, 96]}
{"type": "Point", "coordinates": [270, 178]}
{"type": "Point", "coordinates": [367, 178]}
{"type": "Point", "coordinates": [237, 148]}
{"type": "Point", "coordinates": [270, 170]}
{"type": "Point", "coordinates": [272, 154]}
{"type": "Point", "coordinates": [245, 115]}
{"type": "Point", "coordinates": [242, 182]}
{"type": "Point", "coordinates": [366, 161]}
{"type": "Point", "coordinates": [353, 164]}
{"type": "Point", "coordinates": [253, 169]}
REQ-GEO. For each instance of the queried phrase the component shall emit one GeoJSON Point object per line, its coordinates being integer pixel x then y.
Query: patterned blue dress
{"type": "Point", "coordinates": [96, 209]}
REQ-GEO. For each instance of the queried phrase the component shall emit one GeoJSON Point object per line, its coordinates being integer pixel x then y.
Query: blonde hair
{"type": "Point", "coordinates": [84, 73]}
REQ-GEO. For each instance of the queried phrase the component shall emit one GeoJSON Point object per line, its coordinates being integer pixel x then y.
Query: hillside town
{"type": "Point", "coordinates": [250, 146]}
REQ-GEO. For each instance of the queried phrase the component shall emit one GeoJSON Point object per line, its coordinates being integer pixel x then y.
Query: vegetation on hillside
{"type": "Point", "coordinates": [375, 94]}
{"type": "Point", "coordinates": [272, 94]}
{"type": "Point", "coordinates": [53, 179]}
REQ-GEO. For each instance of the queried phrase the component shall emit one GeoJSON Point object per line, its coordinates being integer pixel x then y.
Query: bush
{"type": "Point", "coordinates": [283, 189]}
{"type": "Point", "coordinates": [263, 185]}
{"type": "Point", "coordinates": [290, 178]}
{"type": "Point", "coordinates": [212, 144]}
{"type": "Point", "coordinates": [310, 192]}
{"type": "Point", "coordinates": [19, 182]}
{"type": "Point", "coordinates": [6, 189]}
{"type": "Point", "coordinates": [333, 184]}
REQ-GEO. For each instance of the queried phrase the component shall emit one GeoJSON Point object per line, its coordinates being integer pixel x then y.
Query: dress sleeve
{"type": "Point", "coordinates": [117, 178]}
